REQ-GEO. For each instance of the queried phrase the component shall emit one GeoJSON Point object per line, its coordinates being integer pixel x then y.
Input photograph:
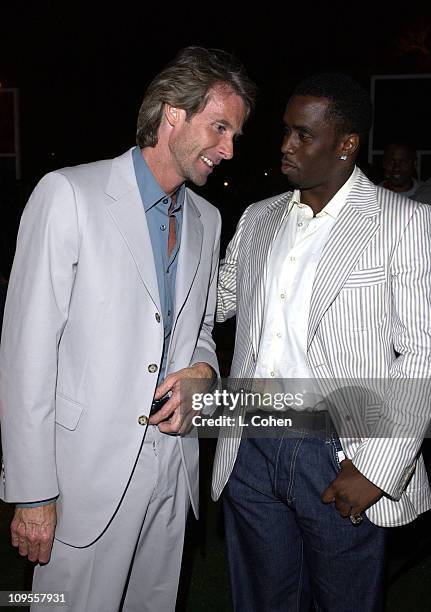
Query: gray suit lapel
{"type": "Point", "coordinates": [128, 214]}
{"type": "Point", "coordinates": [266, 230]}
{"type": "Point", "coordinates": [356, 225]}
{"type": "Point", "coordinates": [189, 254]}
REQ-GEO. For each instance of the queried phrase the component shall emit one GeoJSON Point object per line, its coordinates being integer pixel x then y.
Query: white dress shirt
{"type": "Point", "coordinates": [292, 265]}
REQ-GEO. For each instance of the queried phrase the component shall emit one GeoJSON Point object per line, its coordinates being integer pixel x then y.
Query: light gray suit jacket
{"type": "Point", "coordinates": [371, 298]}
{"type": "Point", "coordinates": [82, 333]}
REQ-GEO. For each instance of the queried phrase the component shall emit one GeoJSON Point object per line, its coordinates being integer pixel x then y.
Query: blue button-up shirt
{"type": "Point", "coordinates": [158, 207]}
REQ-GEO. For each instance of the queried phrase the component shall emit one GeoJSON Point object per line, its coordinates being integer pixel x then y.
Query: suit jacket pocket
{"type": "Point", "coordinates": [361, 303]}
{"type": "Point", "coordinates": [365, 278]}
{"type": "Point", "coordinates": [67, 412]}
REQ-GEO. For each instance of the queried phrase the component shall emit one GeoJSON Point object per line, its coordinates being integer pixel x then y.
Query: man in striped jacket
{"type": "Point", "coordinates": [330, 282]}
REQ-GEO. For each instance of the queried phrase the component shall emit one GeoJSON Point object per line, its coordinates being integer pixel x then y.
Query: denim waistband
{"type": "Point", "coordinates": [303, 423]}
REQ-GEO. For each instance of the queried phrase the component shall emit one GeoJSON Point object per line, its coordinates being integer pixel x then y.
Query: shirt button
{"type": "Point", "coordinates": [278, 335]}
{"type": "Point", "coordinates": [163, 227]}
{"type": "Point", "coordinates": [157, 317]}
{"type": "Point", "coordinates": [152, 368]}
{"type": "Point", "coordinates": [300, 224]}
{"type": "Point", "coordinates": [143, 420]}
{"type": "Point", "coordinates": [165, 200]}
{"type": "Point", "coordinates": [272, 374]}
{"type": "Point", "coordinates": [292, 258]}
{"type": "Point", "coordinates": [169, 313]}
{"type": "Point", "coordinates": [282, 295]}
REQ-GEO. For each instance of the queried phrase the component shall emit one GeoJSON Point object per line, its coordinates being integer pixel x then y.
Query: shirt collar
{"type": "Point", "coordinates": [336, 203]}
{"type": "Point", "coordinates": [149, 188]}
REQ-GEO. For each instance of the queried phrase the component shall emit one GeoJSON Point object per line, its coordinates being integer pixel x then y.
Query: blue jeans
{"type": "Point", "coordinates": [286, 548]}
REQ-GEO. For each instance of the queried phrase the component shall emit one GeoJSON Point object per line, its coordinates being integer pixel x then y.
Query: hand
{"type": "Point", "coordinates": [33, 531]}
{"type": "Point", "coordinates": [176, 415]}
{"type": "Point", "coordinates": [351, 491]}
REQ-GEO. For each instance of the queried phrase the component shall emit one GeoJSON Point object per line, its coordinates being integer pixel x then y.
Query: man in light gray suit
{"type": "Point", "coordinates": [110, 306]}
{"type": "Point", "coordinates": [329, 282]}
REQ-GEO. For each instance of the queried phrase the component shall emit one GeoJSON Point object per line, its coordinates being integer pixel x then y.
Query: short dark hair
{"type": "Point", "coordinates": [350, 105]}
{"type": "Point", "coordinates": [186, 83]}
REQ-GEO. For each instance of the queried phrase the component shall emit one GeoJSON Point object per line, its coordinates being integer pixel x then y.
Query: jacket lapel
{"type": "Point", "coordinates": [189, 254]}
{"type": "Point", "coordinates": [357, 223]}
{"type": "Point", "coordinates": [266, 229]}
{"type": "Point", "coordinates": [128, 214]}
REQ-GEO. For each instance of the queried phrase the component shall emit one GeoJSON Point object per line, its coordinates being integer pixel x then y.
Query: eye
{"type": "Point", "coordinates": [304, 136]}
{"type": "Point", "coordinates": [220, 128]}
{"type": "Point", "coordinates": [286, 130]}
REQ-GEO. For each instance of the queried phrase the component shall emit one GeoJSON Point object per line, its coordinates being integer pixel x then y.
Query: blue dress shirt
{"type": "Point", "coordinates": [157, 206]}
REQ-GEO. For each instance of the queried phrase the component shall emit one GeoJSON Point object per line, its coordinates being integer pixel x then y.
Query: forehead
{"type": "Point", "coordinates": [397, 152]}
{"type": "Point", "coordinates": [223, 101]}
{"type": "Point", "coordinates": [307, 110]}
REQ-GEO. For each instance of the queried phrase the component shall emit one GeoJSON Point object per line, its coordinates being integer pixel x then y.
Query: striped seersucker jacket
{"type": "Point", "coordinates": [370, 318]}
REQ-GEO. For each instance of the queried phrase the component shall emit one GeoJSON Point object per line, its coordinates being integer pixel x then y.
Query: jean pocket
{"type": "Point", "coordinates": [336, 453]}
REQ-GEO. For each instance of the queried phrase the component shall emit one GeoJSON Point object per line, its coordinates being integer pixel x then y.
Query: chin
{"type": "Point", "coordinates": [196, 178]}
{"type": "Point", "coordinates": [295, 183]}
{"type": "Point", "coordinates": [290, 175]}
{"type": "Point", "coordinates": [200, 180]}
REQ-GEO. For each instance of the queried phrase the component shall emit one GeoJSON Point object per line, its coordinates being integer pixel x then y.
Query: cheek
{"type": "Point", "coordinates": [316, 167]}
{"type": "Point", "coordinates": [201, 141]}
{"type": "Point", "coordinates": [183, 147]}
{"type": "Point", "coordinates": [209, 140]}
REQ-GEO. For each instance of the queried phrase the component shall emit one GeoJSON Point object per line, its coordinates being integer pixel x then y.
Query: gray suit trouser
{"type": "Point", "coordinates": [137, 560]}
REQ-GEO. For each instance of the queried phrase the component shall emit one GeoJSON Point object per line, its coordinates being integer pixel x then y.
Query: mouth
{"type": "Point", "coordinates": [395, 178]}
{"type": "Point", "coordinates": [207, 161]}
{"type": "Point", "coordinates": [286, 164]}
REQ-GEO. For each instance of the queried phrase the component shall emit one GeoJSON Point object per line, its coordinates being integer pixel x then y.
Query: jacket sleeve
{"type": "Point", "coordinates": [36, 313]}
{"type": "Point", "coordinates": [226, 290]}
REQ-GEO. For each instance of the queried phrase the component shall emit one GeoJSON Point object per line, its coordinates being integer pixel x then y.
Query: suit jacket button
{"type": "Point", "coordinates": [143, 420]}
{"type": "Point", "coordinates": [157, 317]}
{"type": "Point", "coordinates": [152, 368]}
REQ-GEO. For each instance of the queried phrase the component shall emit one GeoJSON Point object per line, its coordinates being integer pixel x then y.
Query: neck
{"type": "Point", "coordinates": [317, 197]}
{"type": "Point", "coordinates": [162, 169]}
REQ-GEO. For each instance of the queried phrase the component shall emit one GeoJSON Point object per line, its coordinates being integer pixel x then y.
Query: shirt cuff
{"type": "Point", "coordinates": [43, 502]}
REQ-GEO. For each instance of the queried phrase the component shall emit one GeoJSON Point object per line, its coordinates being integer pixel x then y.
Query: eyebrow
{"type": "Point", "coordinates": [304, 128]}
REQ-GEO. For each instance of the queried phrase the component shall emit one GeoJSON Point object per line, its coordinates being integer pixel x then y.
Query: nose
{"type": "Point", "coordinates": [288, 145]}
{"type": "Point", "coordinates": [226, 147]}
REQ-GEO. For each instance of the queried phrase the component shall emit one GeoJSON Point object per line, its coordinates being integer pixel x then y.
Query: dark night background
{"type": "Point", "coordinates": [82, 69]}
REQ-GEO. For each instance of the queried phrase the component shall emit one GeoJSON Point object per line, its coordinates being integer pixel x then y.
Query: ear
{"type": "Point", "coordinates": [172, 114]}
{"type": "Point", "coordinates": [349, 145]}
